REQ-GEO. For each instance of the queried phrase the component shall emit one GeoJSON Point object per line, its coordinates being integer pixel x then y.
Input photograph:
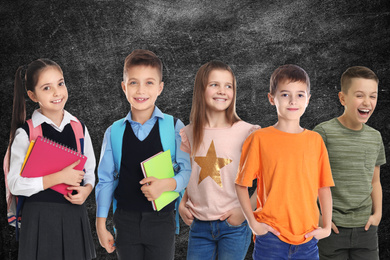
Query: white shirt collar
{"type": "Point", "coordinates": [38, 118]}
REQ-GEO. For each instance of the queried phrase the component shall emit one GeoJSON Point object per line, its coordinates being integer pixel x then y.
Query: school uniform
{"type": "Point", "coordinates": [52, 227]}
{"type": "Point", "coordinates": [141, 233]}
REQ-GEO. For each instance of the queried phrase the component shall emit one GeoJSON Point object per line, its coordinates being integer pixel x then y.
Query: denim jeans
{"type": "Point", "coordinates": [269, 247]}
{"type": "Point", "coordinates": [209, 239]}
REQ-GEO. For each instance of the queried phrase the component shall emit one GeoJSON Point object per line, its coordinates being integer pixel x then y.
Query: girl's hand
{"type": "Point", "coordinates": [319, 233]}
{"type": "Point", "coordinates": [234, 216]}
{"type": "Point", "coordinates": [185, 213]}
{"type": "Point", "coordinates": [71, 176]}
{"type": "Point", "coordinates": [82, 194]}
{"type": "Point", "coordinates": [260, 229]}
{"type": "Point", "coordinates": [152, 187]}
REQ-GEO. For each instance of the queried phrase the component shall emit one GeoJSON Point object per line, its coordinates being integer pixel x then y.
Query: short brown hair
{"type": "Point", "coordinates": [356, 72]}
{"type": "Point", "coordinates": [142, 58]}
{"type": "Point", "coordinates": [288, 72]}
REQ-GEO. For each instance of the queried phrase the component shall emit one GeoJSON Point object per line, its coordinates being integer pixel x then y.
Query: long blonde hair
{"type": "Point", "coordinates": [198, 117]}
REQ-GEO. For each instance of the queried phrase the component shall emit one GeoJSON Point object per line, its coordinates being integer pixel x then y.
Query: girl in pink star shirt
{"type": "Point", "coordinates": [214, 140]}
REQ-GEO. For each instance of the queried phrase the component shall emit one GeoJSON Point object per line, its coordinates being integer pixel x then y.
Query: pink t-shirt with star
{"type": "Point", "coordinates": [211, 189]}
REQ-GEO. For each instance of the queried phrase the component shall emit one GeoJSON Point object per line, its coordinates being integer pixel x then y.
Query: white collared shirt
{"type": "Point", "coordinates": [29, 186]}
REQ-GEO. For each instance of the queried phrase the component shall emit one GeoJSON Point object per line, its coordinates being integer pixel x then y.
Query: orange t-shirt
{"type": "Point", "coordinates": [290, 168]}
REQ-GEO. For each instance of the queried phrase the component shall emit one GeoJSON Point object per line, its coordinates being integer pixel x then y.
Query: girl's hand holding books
{"type": "Point", "coordinates": [82, 194]}
{"type": "Point", "coordinates": [71, 176]}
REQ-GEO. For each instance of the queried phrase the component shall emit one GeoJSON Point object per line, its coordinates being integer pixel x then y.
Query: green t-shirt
{"type": "Point", "coordinates": [353, 156]}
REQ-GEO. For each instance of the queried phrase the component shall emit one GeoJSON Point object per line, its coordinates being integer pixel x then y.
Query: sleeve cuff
{"type": "Point", "coordinates": [102, 212]}
{"type": "Point", "coordinates": [39, 181]}
{"type": "Point", "coordinates": [89, 182]}
{"type": "Point", "coordinates": [179, 183]}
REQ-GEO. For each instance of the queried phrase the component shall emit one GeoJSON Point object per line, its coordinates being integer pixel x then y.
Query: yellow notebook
{"type": "Point", "coordinates": [160, 167]}
{"type": "Point", "coordinates": [27, 154]}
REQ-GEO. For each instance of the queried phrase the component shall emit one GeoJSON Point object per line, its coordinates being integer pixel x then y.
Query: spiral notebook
{"type": "Point", "coordinates": [45, 156]}
{"type": "Point", "coordinates": [160, 167]}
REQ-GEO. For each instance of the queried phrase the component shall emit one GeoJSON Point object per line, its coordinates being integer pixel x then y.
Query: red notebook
{"type": "Point", "coordinates": [47, 157]}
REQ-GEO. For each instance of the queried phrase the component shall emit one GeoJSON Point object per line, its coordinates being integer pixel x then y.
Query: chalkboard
{"type": "Point", "coordinates": [90, 40]}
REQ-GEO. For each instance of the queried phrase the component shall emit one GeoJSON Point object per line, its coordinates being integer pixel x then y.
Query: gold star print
{"type": "Point", "coordinates": [211, 165]}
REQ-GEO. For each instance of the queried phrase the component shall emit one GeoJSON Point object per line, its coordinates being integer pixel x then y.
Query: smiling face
{"type": "Point", "coordinates": [219, 91]}
{"type": "Point", "coordinates": [50, 92]}
{"type": "Point", "coordinates": [290, 99]}
{"type": "Point", "coordinates": [142, 86]}
{"type": "Point", "coordinates": [359, 102]}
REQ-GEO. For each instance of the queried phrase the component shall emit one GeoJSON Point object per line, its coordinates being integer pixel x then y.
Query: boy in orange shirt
{"type": "Point", "coordinates": [292, 169]}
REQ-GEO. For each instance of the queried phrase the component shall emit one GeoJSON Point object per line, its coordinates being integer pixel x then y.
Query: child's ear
{"type": "Point", "coordinates": [271, 99]}
{"type": "Point", "coordinates": [32, 96]}
{"type": "Point", "coordinates": [342, 98]}
{"type": "Point", "coordinates": [123, 86]}
{"type": "Point", "coordinates": [161, 87]}
{"type": "Point", "coordinates": [308, 99]}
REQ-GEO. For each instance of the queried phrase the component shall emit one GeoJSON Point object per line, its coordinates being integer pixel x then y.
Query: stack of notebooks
{"type": "Point", "coordinates": [160, 167]}
{"type": "Point", "coordinates": [46, 157]}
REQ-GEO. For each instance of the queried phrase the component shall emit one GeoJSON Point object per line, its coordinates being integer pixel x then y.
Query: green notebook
{"type": "Point", "coordinates": [160, 167]}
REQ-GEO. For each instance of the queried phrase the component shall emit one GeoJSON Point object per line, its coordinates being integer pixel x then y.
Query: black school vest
{"type": "Point", "coordinates": [128, 193]}
{"type": "Point", "coordinates": [66, 138]}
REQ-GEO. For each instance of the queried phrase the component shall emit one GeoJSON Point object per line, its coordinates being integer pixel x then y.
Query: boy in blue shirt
{"type": "Point", "coordinates": [141, 232]}
{"type": "Point", "coordinates": [356, 152]}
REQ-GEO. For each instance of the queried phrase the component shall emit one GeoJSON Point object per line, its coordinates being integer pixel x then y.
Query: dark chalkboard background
{"type": "Point", "coordinates": [90, 40]}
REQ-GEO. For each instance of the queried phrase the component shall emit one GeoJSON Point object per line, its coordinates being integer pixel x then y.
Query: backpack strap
{"type": "Point", "coordinates": [78, 131]}
{"type": "Point", "coordinates": [117, 131]}
{"type": "Point", "coordinates": [168, 141]}
{"type": "Point", "coordinates": [167, 135]}
{"type": "Point", "coordinates": [34, 131]}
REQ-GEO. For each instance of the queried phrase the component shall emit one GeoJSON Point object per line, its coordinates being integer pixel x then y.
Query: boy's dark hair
{"type": "Point", "coordinates": [288, 72]}
{"type": "Point", "coordinates": [142, 58]}
{"type": "Point", "coordinates": [356, 72]}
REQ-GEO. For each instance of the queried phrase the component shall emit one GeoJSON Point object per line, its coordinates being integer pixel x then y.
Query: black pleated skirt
{"type": "Point", "coordinates": [55, 231]}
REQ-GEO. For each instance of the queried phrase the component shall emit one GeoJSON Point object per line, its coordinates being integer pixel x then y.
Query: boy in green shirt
{"type": "Point", "coordinates": [356, 153]}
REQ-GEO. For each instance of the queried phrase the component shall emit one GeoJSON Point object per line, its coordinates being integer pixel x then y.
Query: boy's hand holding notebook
{"type": "Point", "coordinates": [160, 167]}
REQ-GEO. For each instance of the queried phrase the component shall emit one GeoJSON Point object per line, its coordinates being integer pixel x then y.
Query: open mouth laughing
{"type": "Point", "coordinates": [364, 112]}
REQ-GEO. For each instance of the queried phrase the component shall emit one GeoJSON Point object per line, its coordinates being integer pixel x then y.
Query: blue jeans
{"type": "Point", "coordinates": [209, 239]}
{"type": "Point", "coordinates": [270, 247]}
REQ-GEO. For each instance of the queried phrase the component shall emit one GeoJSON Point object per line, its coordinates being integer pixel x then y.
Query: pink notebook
{"type": "Point", "coordinates": [47, 157]}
